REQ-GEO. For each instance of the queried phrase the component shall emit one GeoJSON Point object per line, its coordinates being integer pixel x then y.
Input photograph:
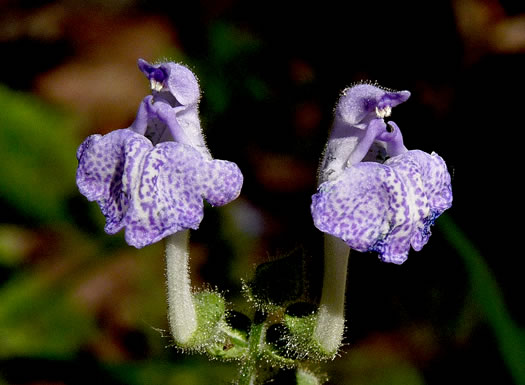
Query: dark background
{"type": "Point", "coordinates": [78, 306]}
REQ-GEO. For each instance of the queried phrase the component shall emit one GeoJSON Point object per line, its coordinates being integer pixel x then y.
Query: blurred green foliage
{"type": "Point", "coordinates": [37, 319]}
{"type": "Point", "coordinates": [191, 371]}
{"type": "Point", "coordinates": [230, 48]}
{"type": "Point", "coordinates": [510, 338]}
{"type": "Point", "coordinates": [37, 151]}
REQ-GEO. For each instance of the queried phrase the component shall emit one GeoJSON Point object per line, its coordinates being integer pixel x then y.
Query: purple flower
{"type": "Point", "coordinates": [375, 194]}
{"type": "Point", "coordinates": [155, 187]}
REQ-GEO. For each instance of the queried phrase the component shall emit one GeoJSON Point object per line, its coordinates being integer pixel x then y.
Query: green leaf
{"type": "Point", "coordinates": [37, 151]}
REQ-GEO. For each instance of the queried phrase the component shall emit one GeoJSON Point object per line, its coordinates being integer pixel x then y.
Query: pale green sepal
{"type": "Point", "coordinates": [275, 357]}
{"type": "Point", "coordinates": [210, 310]}
{"type": "Point", "coordinates": [233, 344]}
{"type": "Point", "coordinates": [306, 377]}
{"type": "Point", "coordinates": [213, 335]}
{"type": "Point", "coordinates": [301, 326]}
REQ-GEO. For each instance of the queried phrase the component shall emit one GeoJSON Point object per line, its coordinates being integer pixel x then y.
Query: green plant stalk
{"type": "Point", "coordinates": [487, 293]}
{"type": "Point", "coordinates": [181, 309]}
{"type": "Point", "coordinates": [330, 324]}
{"type": "Point", "coordinates": [248, 375]}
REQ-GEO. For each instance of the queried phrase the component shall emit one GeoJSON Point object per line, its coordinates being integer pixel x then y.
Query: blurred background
{"type": "Point", "coordinates": [78, 306]}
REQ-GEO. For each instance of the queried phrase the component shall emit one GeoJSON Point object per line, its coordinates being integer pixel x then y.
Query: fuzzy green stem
{"type": "Point", "coordinates": [181, 309]}
{"type": "Point", "coordinates": [248, 374]}
{"type": "Point", "coordinates": [330, 324]}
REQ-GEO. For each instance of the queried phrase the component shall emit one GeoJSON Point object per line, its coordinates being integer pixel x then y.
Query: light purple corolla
{"type": "Point", "coordinates": [151, 178]}
{"type": "Point", "coordinates": [374, 194]}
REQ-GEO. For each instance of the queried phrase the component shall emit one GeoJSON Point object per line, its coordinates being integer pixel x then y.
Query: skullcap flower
{"type": "Point", "coordinates": [374, 204]}
{"type": "Point", "coordinates": [152, 177]}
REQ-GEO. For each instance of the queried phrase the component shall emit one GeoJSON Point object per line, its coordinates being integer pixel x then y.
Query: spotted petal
{"type": "Point", "coordinates": [167, 191]}
{"type": "Point", "coordinates": [99, 175]}
{"type": "Point", "coordinates": [385, 207]}
{"type": "Point", "coordinates": [437, 188]}
{"type": "Point", "coordinates": [153, 191]}
{"type": "Point", "coordinates": [221, 181]}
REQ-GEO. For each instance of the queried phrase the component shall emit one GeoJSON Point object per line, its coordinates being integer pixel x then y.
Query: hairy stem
{"type": "Point", "coordinates": [331, 317]}
{"type": "Point", "coordinates": [248, 374]}
{"type": "Point", "coordinates": [181, 309]}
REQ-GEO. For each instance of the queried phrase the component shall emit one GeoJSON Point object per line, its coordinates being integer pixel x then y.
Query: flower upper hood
{"type": "Point", "coordinates": [363, 102]}
{"type": "Point", "coordinates": [174, 78]}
